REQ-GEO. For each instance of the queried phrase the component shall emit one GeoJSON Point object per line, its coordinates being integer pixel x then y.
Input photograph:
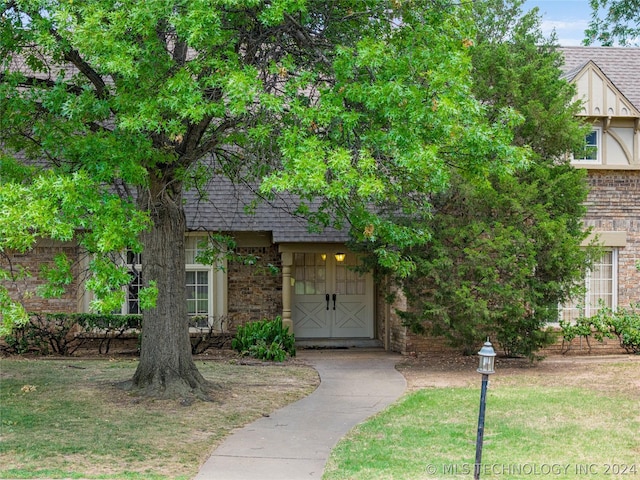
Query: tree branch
{"type": "Point", "coordinates": [73, 56]}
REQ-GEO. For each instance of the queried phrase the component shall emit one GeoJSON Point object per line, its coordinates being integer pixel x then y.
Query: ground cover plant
{"type": "Point", "coordinates": [266, 340]}
{"type": "Point", "coordinates": [564, 419]}
{"type": "Point", "coordinates": [66, 418]}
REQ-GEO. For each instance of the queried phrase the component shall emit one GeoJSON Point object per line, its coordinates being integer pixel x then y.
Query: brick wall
{"type": "Point", "coordinates": [254, 293]}
{"type": "Point", "coordinates": [24, 289]}
{"type": "Point", "coordinates": [614, 205]}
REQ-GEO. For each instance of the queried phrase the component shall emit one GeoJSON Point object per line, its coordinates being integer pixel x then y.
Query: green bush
{"type": "Point", "coordinates": [57, 332]}
{"type": "Point", "coordinates": [623, 323]}
{"type": "Point", "coordinates": [266, 340]}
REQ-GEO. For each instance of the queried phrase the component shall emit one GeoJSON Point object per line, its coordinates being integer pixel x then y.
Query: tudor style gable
{"type": "Point", "coordinates": [601, 98]}
{"type": "Point", "coordinates": [605, 83]}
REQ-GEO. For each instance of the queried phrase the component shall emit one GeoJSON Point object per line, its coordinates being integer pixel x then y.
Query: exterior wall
{"type": "Point", "coordinates": [253, 292]}
{"type": "Point", "coordinates": [24, 290]}
{"type": "Point", "coordinates": [614, 206]}
{"type": "Point", "coordinates": [613, 211]}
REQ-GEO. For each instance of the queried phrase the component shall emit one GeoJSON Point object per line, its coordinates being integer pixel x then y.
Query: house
{"type": "Point", "coordinates": [606, 80]}
{"type": "Point", "coordinates": [312, 286]}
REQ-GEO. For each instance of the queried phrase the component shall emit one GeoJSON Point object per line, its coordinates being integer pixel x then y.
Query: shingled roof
{"type": "Point", "coordinates": [620, 64]}
{"type": "Point", "coordinates": [224, 209]}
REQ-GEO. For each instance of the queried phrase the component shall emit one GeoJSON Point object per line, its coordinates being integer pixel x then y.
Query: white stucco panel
{"type": "Point", "coordinates": [600, 96]}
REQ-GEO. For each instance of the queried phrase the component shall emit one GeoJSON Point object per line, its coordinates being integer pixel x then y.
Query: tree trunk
{"type": "Point", "coordinates": [166, 367]}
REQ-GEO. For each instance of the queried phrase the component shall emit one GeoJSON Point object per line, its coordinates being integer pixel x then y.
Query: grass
{"type": "Point", "coordinates": [66, 419]}
{"type": "Point", "coordinates": [534, 427]}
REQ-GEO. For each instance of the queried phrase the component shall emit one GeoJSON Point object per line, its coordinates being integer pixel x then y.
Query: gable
{"type": "Point", "coordinates": [620, 65]}
{"type": "Point", "coordinates": [600, 97]}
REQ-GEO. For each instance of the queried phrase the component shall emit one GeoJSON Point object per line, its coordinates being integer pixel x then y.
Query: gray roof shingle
{"type": "Point", "coordinates": [225, 209]}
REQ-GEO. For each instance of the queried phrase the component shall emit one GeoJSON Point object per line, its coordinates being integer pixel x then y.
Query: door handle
{"type": "Point", "coordinates": [326, 297]}
{"type": "Point", "coordinates": [334, 300]}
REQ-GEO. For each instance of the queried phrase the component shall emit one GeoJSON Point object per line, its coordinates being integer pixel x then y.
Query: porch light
{"type": "Point", "coordinates": [340, 256]}
{"type": "Point", "coordinates": [323, 256]}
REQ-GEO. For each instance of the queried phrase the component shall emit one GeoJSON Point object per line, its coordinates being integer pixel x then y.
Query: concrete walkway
{"type": "Point", "coordinates": [294, 442]}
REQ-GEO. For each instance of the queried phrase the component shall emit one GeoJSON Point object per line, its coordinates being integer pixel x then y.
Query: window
{"type": "Point", "coordinates": [198, 297]}
{"type": "Point", "coordinates": [592, 151]}
{"type": "Point", "coordinates": [134, 264]}
{"type": "Point", "coordinates": [205, 285]}
{"type": "Point", "coordinates": [601, 289]}
{"type": "Point", "coordinates": [310, 272]}
{"type": "Point", "coordinates": [199, 282]}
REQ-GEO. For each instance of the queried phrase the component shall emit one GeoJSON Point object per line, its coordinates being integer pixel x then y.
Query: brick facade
{"type": "Point", "coordinates": [254, 292]}
{"type": "Point", "coordinates": [24, 289]}
{"type": "Point", "coordinates": [614, 206]}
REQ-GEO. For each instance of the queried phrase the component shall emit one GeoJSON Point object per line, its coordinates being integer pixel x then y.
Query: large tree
{"type": "Point", "coordinates": [505, 253]}
{"type": "Point", "coordinates": [109, 108]}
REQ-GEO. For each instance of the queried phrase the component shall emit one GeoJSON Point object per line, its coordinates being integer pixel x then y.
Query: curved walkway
{"type": "Point", "coordinates": [294, 443]}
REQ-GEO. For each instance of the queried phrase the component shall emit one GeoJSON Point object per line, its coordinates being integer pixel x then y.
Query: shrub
{"type": "Point", "coordinates": [210, 335]}
{"type": "Point", "coordinates": [622, 323]}
{"type": "Point", "coordinates": [57, 332]}
{"type": "Point", "coordinates": [523, 336]}
{"type": "Point", "coordinates": [266, 340]}
{"type": "Point", "coordinates": [625, 324]}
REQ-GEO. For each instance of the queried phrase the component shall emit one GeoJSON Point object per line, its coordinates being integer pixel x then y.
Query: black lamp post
{"type": "Point", "coordinates": [487, 363]}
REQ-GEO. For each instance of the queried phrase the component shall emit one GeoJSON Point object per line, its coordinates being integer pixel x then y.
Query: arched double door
{"type": "Point", "coordinates": [329, 298]}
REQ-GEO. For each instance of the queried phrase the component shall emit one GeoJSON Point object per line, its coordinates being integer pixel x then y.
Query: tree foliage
{"type": "Point", "coordinates": [614, 21]}
{"type": "Point", "coordinates": [110, 107]}
{"type": "Point", "coordinates": [504, 253]}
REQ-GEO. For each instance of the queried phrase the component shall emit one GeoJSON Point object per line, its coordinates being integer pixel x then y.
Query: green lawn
{"type": "Point", "coordinates": [531, 431]}
{"type": "Point", "coordinates": [65, 418]}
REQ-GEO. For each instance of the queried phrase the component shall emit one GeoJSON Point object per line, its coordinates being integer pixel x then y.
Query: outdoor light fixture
{"type": "Point", "coordinates": [323, 256]}
{"type": "Point", "coordinates": [486, 367]}
{"type": "Point", "coordinates": [340, 256]}
{"type": "Point", "coordinates": [487, 359]}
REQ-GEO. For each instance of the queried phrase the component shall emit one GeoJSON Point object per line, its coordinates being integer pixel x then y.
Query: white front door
{"type": "Point", "coordinates": [330, 299]}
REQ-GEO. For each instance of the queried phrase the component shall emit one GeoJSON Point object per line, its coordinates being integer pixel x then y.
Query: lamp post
{"type": "Point", "coordinates": [486, 367]}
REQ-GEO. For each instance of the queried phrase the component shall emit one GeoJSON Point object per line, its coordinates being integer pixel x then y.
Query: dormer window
{"type": "Point", "coordinates": [592, 150]}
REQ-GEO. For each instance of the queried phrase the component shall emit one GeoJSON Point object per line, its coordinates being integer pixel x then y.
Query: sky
{"type": "Point", "coordinates": [570, 18]}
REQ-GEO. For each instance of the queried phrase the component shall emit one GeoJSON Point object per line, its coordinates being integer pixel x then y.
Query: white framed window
{"type": "Point", "coordinates": [592, 150]}
{"type": "Point", "coordinates": [601, 289]}
{"type": "Point", "coordinates": [199, 298]}
{"type": "Point", "coordinates": [205, 285]}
